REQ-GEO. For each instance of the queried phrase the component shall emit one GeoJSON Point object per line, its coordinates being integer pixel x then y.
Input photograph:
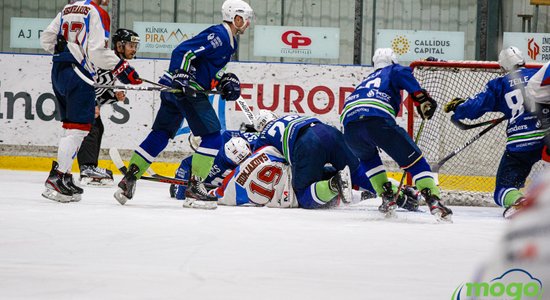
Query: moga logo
{"type": "Point", "coordinates": [515, 284]}
{"type": "Point", "coordinates": [295, 39]}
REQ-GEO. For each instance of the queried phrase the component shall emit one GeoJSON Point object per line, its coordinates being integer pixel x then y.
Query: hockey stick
{"type": "Point", "coordinates": [416, 138]}
{"type": "Point", "coordinates": [464, 126]}
{"type": "Point", "coordinates": [476, 137]}
{"type": "Point", "coordinates": [117, 160]}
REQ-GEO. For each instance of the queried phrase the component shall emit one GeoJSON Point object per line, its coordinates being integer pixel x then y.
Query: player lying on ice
{"type": "Point", "coordinates": [369, 123]}
{"type": "Point", "coordinates": [236, 148]}
{"type": "Point", "coordinates": [524, 133]}
{"type": "Point", "coordinates": [276, 177]}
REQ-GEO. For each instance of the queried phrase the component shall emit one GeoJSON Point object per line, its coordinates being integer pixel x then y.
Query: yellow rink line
{"type": "Point", "coordinates": [30, 163]}
{"type": "Point", "coordinates": [44, 164]}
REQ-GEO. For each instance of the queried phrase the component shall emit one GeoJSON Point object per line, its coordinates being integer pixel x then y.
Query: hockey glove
{"type": "Point", "coordinates": [230, 87]}
{"type": "Point", "coordinates": [126, 73]}
{"type": "Point", "coordinates": [181, 81]}
{"type": "Point", "coordinates": [452, 105]}
{"type": "Point", "coordinates": [425, 105]}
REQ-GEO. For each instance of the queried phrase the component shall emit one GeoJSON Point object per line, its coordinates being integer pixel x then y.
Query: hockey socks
{"type": "Point", "coordinates": [203, 158]}
{"type": "Point", "coordinates": [507, 196]}
{"type": "Point", "coordinates": [423, 177]}
{"type": "Point", "coordinates": [148, 150]}
{"type": "Point", "coordinates": [68, 148]}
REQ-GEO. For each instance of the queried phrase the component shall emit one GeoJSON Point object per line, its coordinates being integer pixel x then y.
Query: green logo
{"type": "Point", "coordinates": [514, 284]}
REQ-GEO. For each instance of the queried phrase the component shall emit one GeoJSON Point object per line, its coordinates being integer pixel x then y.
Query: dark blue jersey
{"type": "Point", "coordinates": [379, 95]}
{"type": "Point", "coordinates": [503, 95]}
{"type": "Point", "coordinates": [205, 55]}
{"type": "Point", "coordinates": [282, 133]}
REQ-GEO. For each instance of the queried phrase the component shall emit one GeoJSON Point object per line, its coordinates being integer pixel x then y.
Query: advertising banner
{"type": "Point", "coordinates": [159, 37]}
{"type": "Point", "coordinates": [411, 45]}
{"type": "Point", "coordinates": [534, 46]}
{"type": "Point", "coordinates": [25, 32]}
{"type": "Point", "coordinates": [289, 41]}
{"type": "Point", "coordinates": [28, 107]}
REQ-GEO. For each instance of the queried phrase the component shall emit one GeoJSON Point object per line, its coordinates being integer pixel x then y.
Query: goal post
{"type": "Point", "coordinates": [469, 177]}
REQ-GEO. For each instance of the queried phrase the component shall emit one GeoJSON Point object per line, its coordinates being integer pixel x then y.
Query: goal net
{"type": "Point", "coordinates": [469, 177]}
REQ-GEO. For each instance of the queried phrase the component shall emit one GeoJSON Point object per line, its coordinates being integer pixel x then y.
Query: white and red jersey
{"type": "Point", "coordinates": [263, 179]}
{"type": "Point", "coordinates": [538, 87]}
{"type": "Point", "coordinates": [86, 28]}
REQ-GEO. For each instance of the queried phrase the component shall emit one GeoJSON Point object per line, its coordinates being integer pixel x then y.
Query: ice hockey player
{"type": "Point", "coordinates": [308, 145]}
{"type": "Point", "coordinates": [235, 150]}
{"type": "Point", "coordinates": [369, 123]}
{"type": "Point", "coordinates": [76, 57]}
{"type": "Point", "coordinates": [524, 133]}
{"type": "Point", "coordinates": [126, 44]}
{"type": "Point", "coordinates": [538, 92]}
{"type": "Point", "coordinates": [197, 65]}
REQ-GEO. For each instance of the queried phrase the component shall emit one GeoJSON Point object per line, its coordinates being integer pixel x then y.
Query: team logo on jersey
{"type": "Point", "coordinates": [400, 45]}
{"type": "Point", "coordinates": [514, 284]}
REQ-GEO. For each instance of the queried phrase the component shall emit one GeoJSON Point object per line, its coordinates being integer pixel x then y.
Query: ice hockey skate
{"type": "Point", "coordinates": [56, 189]}
{"type": "Point", "coordinates": [388, 205]}
{"type": "Point", "coordinates": [409, 198]}
{"type": "Point", "coordinates": [77, 191]}
{"type": "Point", "coordinates": [95, 176]}
{"type": "Point", "coordinates": [341, 183]}
{"type": "Point", "coordinates": [127, 185]}
{"type": "Point", "coordinates": [516, 208]}
{"type": "Point", "coordinates": [440, 211]}
{"type": "Point", "coordinates": [196, 196]}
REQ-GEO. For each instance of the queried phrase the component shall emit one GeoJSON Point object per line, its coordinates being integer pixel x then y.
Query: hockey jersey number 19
{"type": "Point", "coordinates": [264, 179]}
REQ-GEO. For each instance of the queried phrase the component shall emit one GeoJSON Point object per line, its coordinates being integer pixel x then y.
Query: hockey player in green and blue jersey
{"type": "Point", "coordinates": [308, 145]}
{"type": "Point", "coordinates": [196, 64]}
{"type": "Point", "coordinates": [369, 123]}
{"type": "Point", "coordinates": [525, 135]}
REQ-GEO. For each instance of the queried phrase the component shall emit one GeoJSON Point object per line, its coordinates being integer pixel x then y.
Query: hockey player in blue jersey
{"type": "Point", "coordinates": [308, 145]}
{"type": "Point", "coordinates": [369, 123]}
{"type": "Point", "coordinates": [196, 65]}
{"type": "Point", "coordinates": [525, 136]}
{"type": "Point", "coordinates": [237, 146]}
{"type": "Point", "coordinates": [78, 38]}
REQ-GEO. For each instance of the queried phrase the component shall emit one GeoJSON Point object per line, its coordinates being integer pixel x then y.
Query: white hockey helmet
{"type": "Point", "coordinates": [237, 149]}
{"type": "Point", "coordinates": [383, 57]}
{"type": "Point", "coordinates": [510, 58]}
{"type": "Point", "coordinates": [263, 118]}
{"type": "Point", "coordinates": [232, 8]}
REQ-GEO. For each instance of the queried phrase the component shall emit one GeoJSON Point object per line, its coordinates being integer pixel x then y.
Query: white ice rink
{"type": "Point", "coordinates": [152, 248]}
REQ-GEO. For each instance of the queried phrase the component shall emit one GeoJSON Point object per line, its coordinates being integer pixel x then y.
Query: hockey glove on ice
{"type": "Point", "coordinates": [425, 105]}
{"type": "Point", "coordinates": [230, 87]}
{"type": "Point", "coordinates": [126, 73]}
{"type": "Point", "coordinates": [452, 105]}
{"type": "Point", "coordinates": [181, 81]}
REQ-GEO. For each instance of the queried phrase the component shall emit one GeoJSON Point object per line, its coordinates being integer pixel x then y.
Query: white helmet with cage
{"type": "Point", "coordinates": [233, 8]}
{"type": "Point", "coordinates": [263, 117]}
{"type": "Point", "coordinates": [510, 58]}
{"type": "Point", "coordinates": [383, 57]}
{"type": "Point", "coordinates": [237, 149]}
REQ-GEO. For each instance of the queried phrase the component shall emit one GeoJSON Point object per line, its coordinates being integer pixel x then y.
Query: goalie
{"type": "Point", "coordinates": [525, 137]}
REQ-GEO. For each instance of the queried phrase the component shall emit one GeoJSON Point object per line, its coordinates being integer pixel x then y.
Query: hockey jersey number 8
{"type": "Point", "coordinates": [264, 179]}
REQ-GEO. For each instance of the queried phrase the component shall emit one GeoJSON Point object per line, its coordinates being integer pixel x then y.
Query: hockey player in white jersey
{"type": "Point", "coordinates": [78, 38]}
{"type": "Point", "coordinates": [538, 93]}
{"type": "Point", "coordinates": [263, 179]}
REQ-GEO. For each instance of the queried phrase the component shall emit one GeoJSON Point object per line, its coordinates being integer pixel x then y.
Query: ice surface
{"type": "Point", "coordinates": [152, 248]}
